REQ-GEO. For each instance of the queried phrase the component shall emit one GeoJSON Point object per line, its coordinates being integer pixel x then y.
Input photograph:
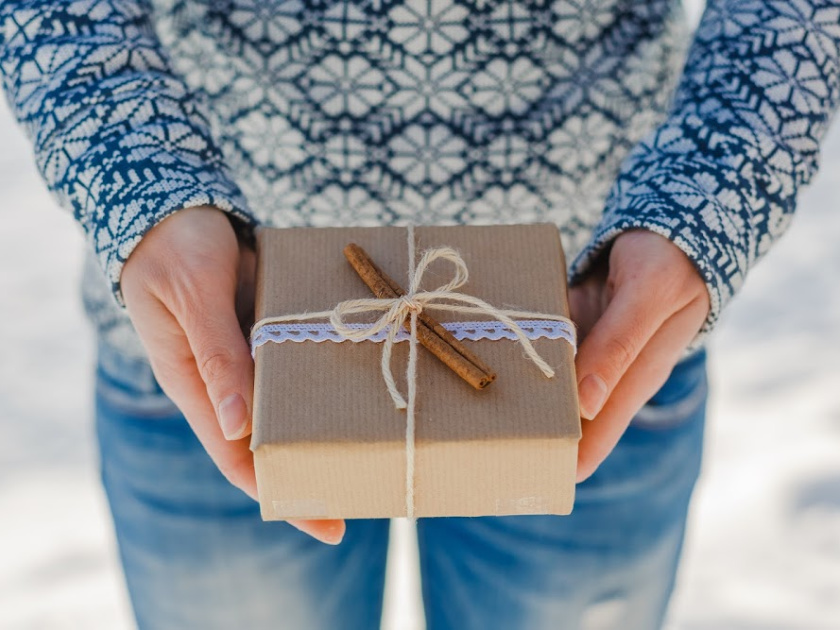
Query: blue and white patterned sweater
{"type": "Point", "coordinates": [373, 112]}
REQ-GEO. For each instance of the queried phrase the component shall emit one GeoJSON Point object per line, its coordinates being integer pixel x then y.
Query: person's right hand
{"type": "Point", "coordinates": [181, 285]}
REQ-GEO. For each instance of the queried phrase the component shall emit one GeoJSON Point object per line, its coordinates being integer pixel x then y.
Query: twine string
{"type": "Point", "coordinates": [414, 309]}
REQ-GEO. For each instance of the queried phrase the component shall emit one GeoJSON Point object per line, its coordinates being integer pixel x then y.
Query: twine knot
{"type": "Point", "coordinates": [410, 305]}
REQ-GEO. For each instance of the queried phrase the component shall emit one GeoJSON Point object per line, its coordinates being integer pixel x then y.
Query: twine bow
{"type": "Point", "coordinates": [444, 298]}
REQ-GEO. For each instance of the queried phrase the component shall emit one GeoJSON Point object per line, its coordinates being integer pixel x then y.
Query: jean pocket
{"type": "Point", "coordinates": [681, 398]}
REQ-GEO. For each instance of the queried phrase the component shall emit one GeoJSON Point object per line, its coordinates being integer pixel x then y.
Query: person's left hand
{"type": "Point", "coordinates": [636, 314]}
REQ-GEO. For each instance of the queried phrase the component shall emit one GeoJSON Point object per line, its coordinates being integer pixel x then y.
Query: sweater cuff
{"type": "Point", "coordinates": [700, 249]}
{"type": "Point", "coordinates": [115, 238]}
{"type": "Point", "coordinates": [712, 200]}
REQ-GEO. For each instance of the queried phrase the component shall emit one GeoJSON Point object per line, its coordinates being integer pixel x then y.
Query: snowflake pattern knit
{"type": "Point", "coordinates": [373, 112]}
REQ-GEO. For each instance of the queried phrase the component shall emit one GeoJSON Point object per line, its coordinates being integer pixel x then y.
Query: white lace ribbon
{"type": "Point", "coordinates": [389, 329]}
{"type": "Point", "coordinates": [319, 332]}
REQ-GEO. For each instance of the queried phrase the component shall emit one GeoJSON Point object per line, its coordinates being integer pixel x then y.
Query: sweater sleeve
{"type": "Point", "coordinates": [117, 137]}
{"type": "Point", "coordinates": [720, 176]}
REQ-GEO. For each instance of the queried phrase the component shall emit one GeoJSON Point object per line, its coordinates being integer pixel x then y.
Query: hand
{"type": "Point", "coordinates": [636, 312]}
{"type": "Point", "coordinates": [181, 287]}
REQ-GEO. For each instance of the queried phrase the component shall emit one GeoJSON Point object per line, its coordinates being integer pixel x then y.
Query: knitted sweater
{"type": "Point", "coordinates": [372, 112]}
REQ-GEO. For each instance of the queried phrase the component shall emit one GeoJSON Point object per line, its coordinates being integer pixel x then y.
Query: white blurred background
{"type": "Point", "coordinates": [763, 548]}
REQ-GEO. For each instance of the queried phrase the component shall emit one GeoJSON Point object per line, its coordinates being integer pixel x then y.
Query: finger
{"type": "Point", "coordinates": [176, 370]}
{"type": "Point", "coordinates": [640, 382]}
{"type": "Point", "coordinates": [222, 355]}
{"type": "Point", "coordinates": [234, 458]}
{"type": "Point", "coordinates": [330, 531]}
{"type": "Point", "coordinates": [629, 321]}
{"type": "Point", "coordinates": [225, 366]}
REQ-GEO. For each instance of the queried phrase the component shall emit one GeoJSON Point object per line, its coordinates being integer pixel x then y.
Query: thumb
{"type": "Point", "coordinates": [612, 345]}
{"type": "Point", "coordinates": [222, 356]}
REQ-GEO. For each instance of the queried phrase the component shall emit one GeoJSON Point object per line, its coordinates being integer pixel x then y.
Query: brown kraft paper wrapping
{"type": "Point", "coordinates": [327, 439]}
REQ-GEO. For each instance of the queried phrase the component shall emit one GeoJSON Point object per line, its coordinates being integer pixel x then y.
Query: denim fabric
{"type": "Point", "coordinates": [197, 555]}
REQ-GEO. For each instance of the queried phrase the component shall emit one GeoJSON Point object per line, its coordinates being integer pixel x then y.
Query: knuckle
{"type": "Point", "coordinates": [169, 367]}
{"type": "Point", "coordinates": [214, 365]}
{"type": "Point", "coordinates": [621, 352]}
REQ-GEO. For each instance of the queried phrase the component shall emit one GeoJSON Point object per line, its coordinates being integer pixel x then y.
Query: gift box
{"type": "Point", "coordinates": [328, 439]}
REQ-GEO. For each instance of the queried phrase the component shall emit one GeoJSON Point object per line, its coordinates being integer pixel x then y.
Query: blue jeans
{"type": "Point", "coordinates": [196, 554]}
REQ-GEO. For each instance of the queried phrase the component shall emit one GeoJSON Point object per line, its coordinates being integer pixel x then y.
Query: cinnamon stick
{"type": "Point", "coordinates": [430, 333]}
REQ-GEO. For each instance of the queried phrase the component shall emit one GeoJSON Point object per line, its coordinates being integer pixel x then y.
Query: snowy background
{"type": "Point", "coordinates": [763, 548]}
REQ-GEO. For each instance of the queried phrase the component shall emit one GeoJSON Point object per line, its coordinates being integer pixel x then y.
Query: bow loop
{"type": "Point", "coordinates": [460, 278]}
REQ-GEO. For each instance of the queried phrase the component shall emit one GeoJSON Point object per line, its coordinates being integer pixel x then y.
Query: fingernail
{"type": "Point", "coordinates": [335, 534]}
{"type": "Point", "coordinates": [233, 416]}
{"type": "Point", "coordinates": [592, 392]}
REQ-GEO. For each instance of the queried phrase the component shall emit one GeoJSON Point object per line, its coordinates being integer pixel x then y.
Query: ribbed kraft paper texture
{"type": "Point", "coordinates": [328, 441]}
